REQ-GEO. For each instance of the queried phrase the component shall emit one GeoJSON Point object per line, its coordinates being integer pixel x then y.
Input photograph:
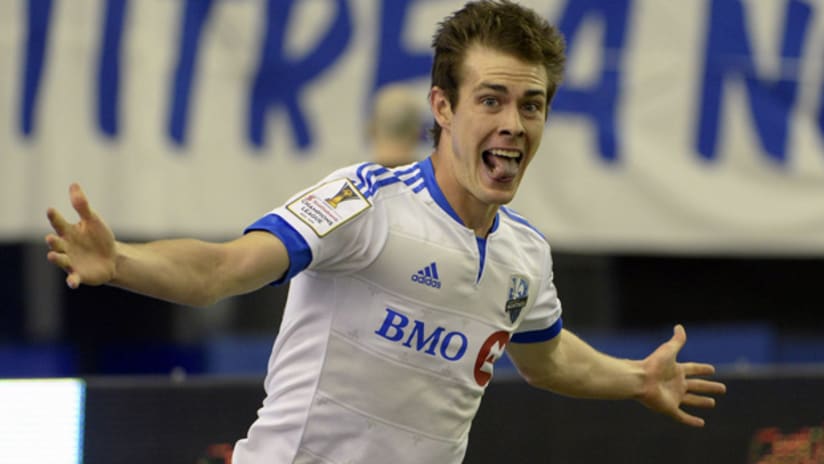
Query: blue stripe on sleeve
{"type": "Point", "coordinates": [536, 336]}
{"type": "Point", "coordinates": [361, 179]}
{"type": "Point", "coordinates": [381, 183]}
{"type": "Point", "coordinates": [300, 255]}
{"type": "Point", "coordinates": [368, 178]}
{"type": "Point", "coordinates": [413, 179]}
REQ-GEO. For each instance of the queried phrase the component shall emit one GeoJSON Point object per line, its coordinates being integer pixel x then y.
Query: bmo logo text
{"type": "Point", "coordinates": [449, 345]}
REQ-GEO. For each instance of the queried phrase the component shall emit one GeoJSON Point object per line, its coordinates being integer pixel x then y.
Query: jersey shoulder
{"type": "Point", "coordinates": [376, 182]}
{"type": "Point", "coordinates": [519, 225]}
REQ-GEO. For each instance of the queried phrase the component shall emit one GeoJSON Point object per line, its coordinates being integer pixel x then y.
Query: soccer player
{"type": "Point", "coordinates": [406, 284]}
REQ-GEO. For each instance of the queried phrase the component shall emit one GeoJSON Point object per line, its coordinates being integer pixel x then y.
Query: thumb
{"type": "Point", "coordinates": [679, 336]}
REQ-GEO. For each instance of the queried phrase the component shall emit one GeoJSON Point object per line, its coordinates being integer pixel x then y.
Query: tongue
{"type": "Point", "coordinates": [501, 168]}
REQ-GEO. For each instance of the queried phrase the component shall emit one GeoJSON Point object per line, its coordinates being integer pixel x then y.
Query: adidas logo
{"type": "Point", "coordinates": [428, 276]}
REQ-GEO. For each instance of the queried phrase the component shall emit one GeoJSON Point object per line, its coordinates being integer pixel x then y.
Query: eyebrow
{"type": "Point", "coordinates": [503, 89]}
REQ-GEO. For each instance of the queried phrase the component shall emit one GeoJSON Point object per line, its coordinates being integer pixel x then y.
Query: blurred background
{"type": "Point", "coordinates": [680, 179]}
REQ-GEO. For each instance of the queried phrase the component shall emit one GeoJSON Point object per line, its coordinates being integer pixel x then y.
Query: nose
{"type": "Point", "coordinates": [512, 124]}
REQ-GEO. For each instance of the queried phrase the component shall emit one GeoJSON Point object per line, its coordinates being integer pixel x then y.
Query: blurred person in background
{"type": "Point", "coordinates": [395, 126]}
{"type": "Point", "coordinates": [406, 284]}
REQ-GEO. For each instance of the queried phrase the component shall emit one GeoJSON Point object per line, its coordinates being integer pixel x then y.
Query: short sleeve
{"type": "Point", "coordinates": [329, 227]}
{"type": "Point", "coordinates": [543, 322]}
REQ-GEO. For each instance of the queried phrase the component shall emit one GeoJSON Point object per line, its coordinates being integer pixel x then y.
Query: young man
{"type": "Point", "coordinates": [406, 284]}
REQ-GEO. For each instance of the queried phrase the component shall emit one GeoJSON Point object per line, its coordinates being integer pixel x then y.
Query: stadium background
{"type": "Point", "coordinates": [681, 179]}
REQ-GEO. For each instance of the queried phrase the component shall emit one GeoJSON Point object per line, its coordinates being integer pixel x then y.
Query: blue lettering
{"type": "Point", "coordinates": [39, 13]}
{"type": "Point", "coordinates": [821, 113]}
{"type": "Point", "coordinates": [279, 79]}
{"type": "Point", "coordinates": [393, 326]}
{"type": "Point", "coordinates": [108, 72]}
{"type": "Point", "coordinates": [395, 62]}
{"type": "Point", "coordinates": [728, 52]}
{"type": "Point", "coordinates": [426, 281]}
{"type": "Point", "coordinates": [195, 16]}
{"type": "Point", "coordinates": [447, 342]}
{"type": "Point", "coordinates": [390, 324]}
{"type": "Point", "coordinates": [599, 101]}
{"type": "Point", "coordinates": [431, 340]}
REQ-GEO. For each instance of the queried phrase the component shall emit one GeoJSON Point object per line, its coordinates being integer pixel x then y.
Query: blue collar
{"type": "Point", "coordinates": [437, 195]}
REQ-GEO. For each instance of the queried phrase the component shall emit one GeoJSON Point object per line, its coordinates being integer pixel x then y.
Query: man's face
{"type": "Point", "coordinates": [497, 124]}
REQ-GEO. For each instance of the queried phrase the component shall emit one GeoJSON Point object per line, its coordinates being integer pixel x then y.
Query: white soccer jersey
{"type": "Point", "coordinates": [394, 319]}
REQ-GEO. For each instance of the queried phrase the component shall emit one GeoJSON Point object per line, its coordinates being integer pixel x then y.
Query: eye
{"type": "Point", "coordinates": [532, 107]}
{"type": "Point", "coordinates": [490, 102]}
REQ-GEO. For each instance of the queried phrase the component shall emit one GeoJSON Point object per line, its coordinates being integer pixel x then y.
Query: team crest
{"type": "Point", "coordinates": [329, 206]}
{"type": "Point", "coordinates": [517, 296]}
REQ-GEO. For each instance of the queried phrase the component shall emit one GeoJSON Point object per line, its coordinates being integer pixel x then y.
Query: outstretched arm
{"type": "Point", "coordinates": [185, 271]}
{"type": "Point", "coordinates": [569, 366]}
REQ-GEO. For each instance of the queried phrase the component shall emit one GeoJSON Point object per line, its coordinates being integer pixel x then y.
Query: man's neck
{"type": "Point", "coordinates": [473, 213]}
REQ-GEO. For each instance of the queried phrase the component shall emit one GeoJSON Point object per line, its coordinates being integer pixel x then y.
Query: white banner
{"type": "Point", "coordinates": [681, 127]}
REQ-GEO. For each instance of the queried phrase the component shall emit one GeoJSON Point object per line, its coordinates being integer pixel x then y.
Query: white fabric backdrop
{"type": "Point", "coordinates": [658, 195]}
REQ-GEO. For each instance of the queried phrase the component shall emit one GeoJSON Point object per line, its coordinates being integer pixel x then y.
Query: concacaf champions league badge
{"type": "Point", "coordinates": [329, 206]}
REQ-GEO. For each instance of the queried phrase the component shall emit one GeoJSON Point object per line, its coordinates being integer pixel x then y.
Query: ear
{"type": "Point", "coordinates": [440, 107]}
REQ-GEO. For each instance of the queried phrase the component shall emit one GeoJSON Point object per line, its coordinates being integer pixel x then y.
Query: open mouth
{"type": "Point", "coordinates": [502, 164]}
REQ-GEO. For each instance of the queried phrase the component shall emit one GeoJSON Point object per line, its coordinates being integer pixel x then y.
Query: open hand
{"type": "Point", "coordinates": [671, 384]}
{"type": "Point", "coordinates": [85, 250]}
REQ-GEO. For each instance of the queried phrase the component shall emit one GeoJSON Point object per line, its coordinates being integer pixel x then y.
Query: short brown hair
{"type": "Point", "coordinates": [501, 25]}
